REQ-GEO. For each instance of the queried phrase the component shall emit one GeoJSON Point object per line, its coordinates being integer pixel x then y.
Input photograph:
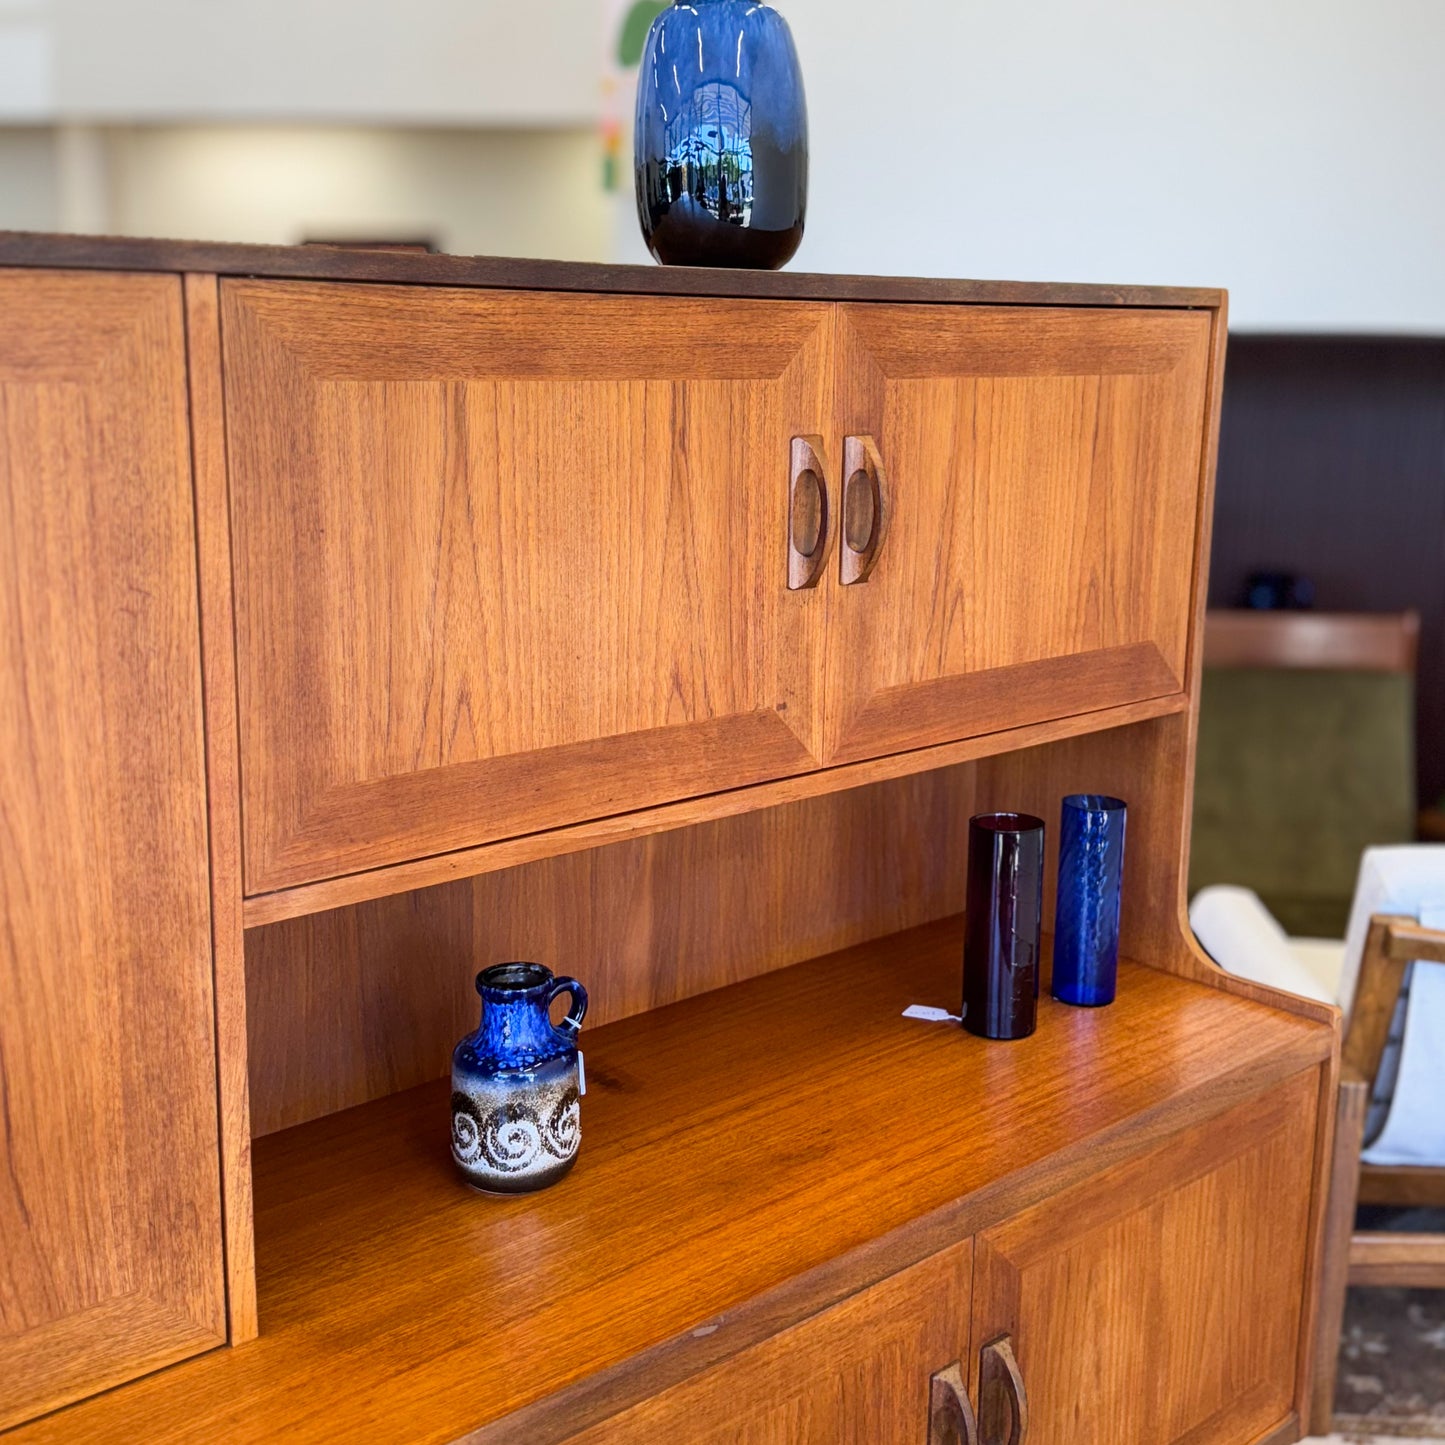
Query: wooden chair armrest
{"type": "Point", "coordinates": [1391, 943]}
{"type": "Point", "coordinates": [1409, 939]}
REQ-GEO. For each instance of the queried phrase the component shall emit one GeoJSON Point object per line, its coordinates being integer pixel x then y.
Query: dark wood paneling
{"type": "Point", "coordinates": [1332, 464]}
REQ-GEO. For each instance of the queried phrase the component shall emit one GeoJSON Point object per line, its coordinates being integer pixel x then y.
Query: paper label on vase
{"type": "Point", "coordinates": [581, 1075]}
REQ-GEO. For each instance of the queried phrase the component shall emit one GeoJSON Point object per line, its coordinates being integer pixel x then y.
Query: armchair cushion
{"type": "Point", "coordinates": [1243, 937]}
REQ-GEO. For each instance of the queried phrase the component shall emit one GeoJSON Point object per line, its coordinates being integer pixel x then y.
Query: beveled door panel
{"type": "Point", "coordinates": [1160, 1302]}
{"type": "Point", "coordinates": [1034, 555]}
{"type": "Point", "coordinates": [856, 1374]}
{"type": "Point", "coordinates": [110, 1231]}
{"type": "Point", "coordinates": [508, 560]}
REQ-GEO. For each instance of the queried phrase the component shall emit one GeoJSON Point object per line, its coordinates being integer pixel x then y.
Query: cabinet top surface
{"type": "Point", "coordinates": [749, 1156]}
{"type": "Point", "coordinates": [329, 263]}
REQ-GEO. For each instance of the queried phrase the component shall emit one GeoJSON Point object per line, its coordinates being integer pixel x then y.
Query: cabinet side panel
{"type": "Point", "coordinates": [109, 1190]}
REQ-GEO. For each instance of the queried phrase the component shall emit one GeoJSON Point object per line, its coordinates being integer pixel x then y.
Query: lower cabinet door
{"type": "Point", "coordinates": [856, 1374]}
{"type": "Point", "coordinates": [1160, 1302]}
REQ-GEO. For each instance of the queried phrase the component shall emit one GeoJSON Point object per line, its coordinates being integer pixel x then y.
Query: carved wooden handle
{"type": "Point", "coordinates": [1003, 1403]}
{"type": "Point", "coordinates": [807, 513]}
{"type": "Point", "coordinates": [950, 1416]}
{"type": "Point", "coordinates": [865, 508]}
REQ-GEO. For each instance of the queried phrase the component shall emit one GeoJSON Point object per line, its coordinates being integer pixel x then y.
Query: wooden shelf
{"type": "Point", "coordinates": [749, 1156]}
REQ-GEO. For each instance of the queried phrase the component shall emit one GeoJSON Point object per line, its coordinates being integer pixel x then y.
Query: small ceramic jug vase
{"type": "Point", "coordinates": [516, 1117]}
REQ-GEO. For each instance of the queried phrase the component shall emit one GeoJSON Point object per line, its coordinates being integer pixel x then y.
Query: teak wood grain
{"type": "Point", "coordinates": [1131, 1322]}
{"type": "Point", "coordinates": [486, 576]}
{"type": "Point", "coordinates": [218, 674]}
{"type": "Point", "coordinates": [506, 560]}
{"type": "Point", "coordinates": [856, 1374]}
{"type": "Point", "coordinates": [1043, 472]}
{"type": "Point", "coordinates": [351, 1004]}
{"type": "Point", "coordinates": [749, 1158]}
{"type": "Point", "coordinates": [109, 1195]}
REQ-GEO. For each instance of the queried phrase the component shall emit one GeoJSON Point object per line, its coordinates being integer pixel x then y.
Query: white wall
{"type": "Point", "coordinates": [1292, 150]}
{"type": "Point", "coordinates": [508, 193]}
{"type": "Point", "coordinates": [1288, 149]}
{"type": "Point", "coordinates": [443, 62]}
{"type": "Point", "coordinates": [28, 200]}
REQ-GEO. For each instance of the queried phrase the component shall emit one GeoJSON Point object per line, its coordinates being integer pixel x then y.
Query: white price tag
{"type": "Point", "coordinates": [930, 1014]}
{"type": "Point", "coordinates": [581, 1074]}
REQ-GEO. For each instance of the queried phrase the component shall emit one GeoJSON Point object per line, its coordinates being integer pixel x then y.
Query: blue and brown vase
{"type": "Point", "coordinates": [721, 140]}
{"type": "Point", "coordinates": [516, 1115]}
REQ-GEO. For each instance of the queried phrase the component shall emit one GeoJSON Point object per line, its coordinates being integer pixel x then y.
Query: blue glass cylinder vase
{"type": "Point", "coordinates": [516, 1082]}
{"type": "Point", "coordinates": [721, 137]}
{"type": "Point", "coordinates": [1086, 920]}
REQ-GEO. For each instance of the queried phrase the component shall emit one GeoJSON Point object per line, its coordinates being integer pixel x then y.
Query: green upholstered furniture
{"type": "Point", "coordinates": [1300, 768]}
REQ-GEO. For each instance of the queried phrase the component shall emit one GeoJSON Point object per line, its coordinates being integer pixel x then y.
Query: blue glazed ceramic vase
{"type": "Point", "coordinates": [516, 1116]}
{"type": "Point", "coordinates": [721, 142]}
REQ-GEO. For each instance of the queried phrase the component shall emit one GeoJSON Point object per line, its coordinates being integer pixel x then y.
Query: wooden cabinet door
{"type": "Point", "coordinates": [1160, 1303]}
{"type": "Point", "coordinates": [856, 1374]}
{"type": "Point", "coordinates": [505, 561]}
{"type": "Point", "coordinates": [1041, 479]}
{"type": "Point", "coordinates": [110, 1232]}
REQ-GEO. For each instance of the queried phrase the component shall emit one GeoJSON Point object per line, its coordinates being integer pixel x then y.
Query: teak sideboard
{"type": "Point", "coordinates": [367, 618]}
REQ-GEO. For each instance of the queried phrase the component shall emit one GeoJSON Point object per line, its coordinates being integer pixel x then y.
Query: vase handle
{"type": "Point", "coordinates": [572, 1024]}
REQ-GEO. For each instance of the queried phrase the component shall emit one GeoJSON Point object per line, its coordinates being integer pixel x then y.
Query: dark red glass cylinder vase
{"type": "Point", "coordinates": [1002, 925]}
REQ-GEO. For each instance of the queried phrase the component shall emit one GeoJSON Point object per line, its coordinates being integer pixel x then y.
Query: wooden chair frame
{"type": "Point", "coordinates": [1374, 1257]}
{"type": "Point", "coordinates": [1354, 641]}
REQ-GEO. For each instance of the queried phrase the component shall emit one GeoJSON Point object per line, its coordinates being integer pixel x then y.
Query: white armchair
{"type": "Point", "coordinates": [1406, 1122]}
{"type": "Point", "coordinates": [1388, 976]}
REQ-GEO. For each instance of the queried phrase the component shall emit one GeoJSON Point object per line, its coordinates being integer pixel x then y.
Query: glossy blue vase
{"type": "Point", "coordinates": [516, 1084]}
{"type": "Point", "coordinates": [1086, 919]}
{"type": "Point", "coordinates": [721, 140]}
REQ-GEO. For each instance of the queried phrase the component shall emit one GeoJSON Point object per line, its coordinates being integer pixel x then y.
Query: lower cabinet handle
{"type": "Point", "coordinates": [1003, 1403]}
{"type": "Point", "coordinates": [950, 1416]}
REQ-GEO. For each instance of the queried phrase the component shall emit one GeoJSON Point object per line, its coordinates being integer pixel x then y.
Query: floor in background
{"type": "Point", "coordinates": [1392, 1363]}
{"type": "Point", "coordinates": [1391, 1379]}
{"type": "Point", "coordinates": [1366, 1440]}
